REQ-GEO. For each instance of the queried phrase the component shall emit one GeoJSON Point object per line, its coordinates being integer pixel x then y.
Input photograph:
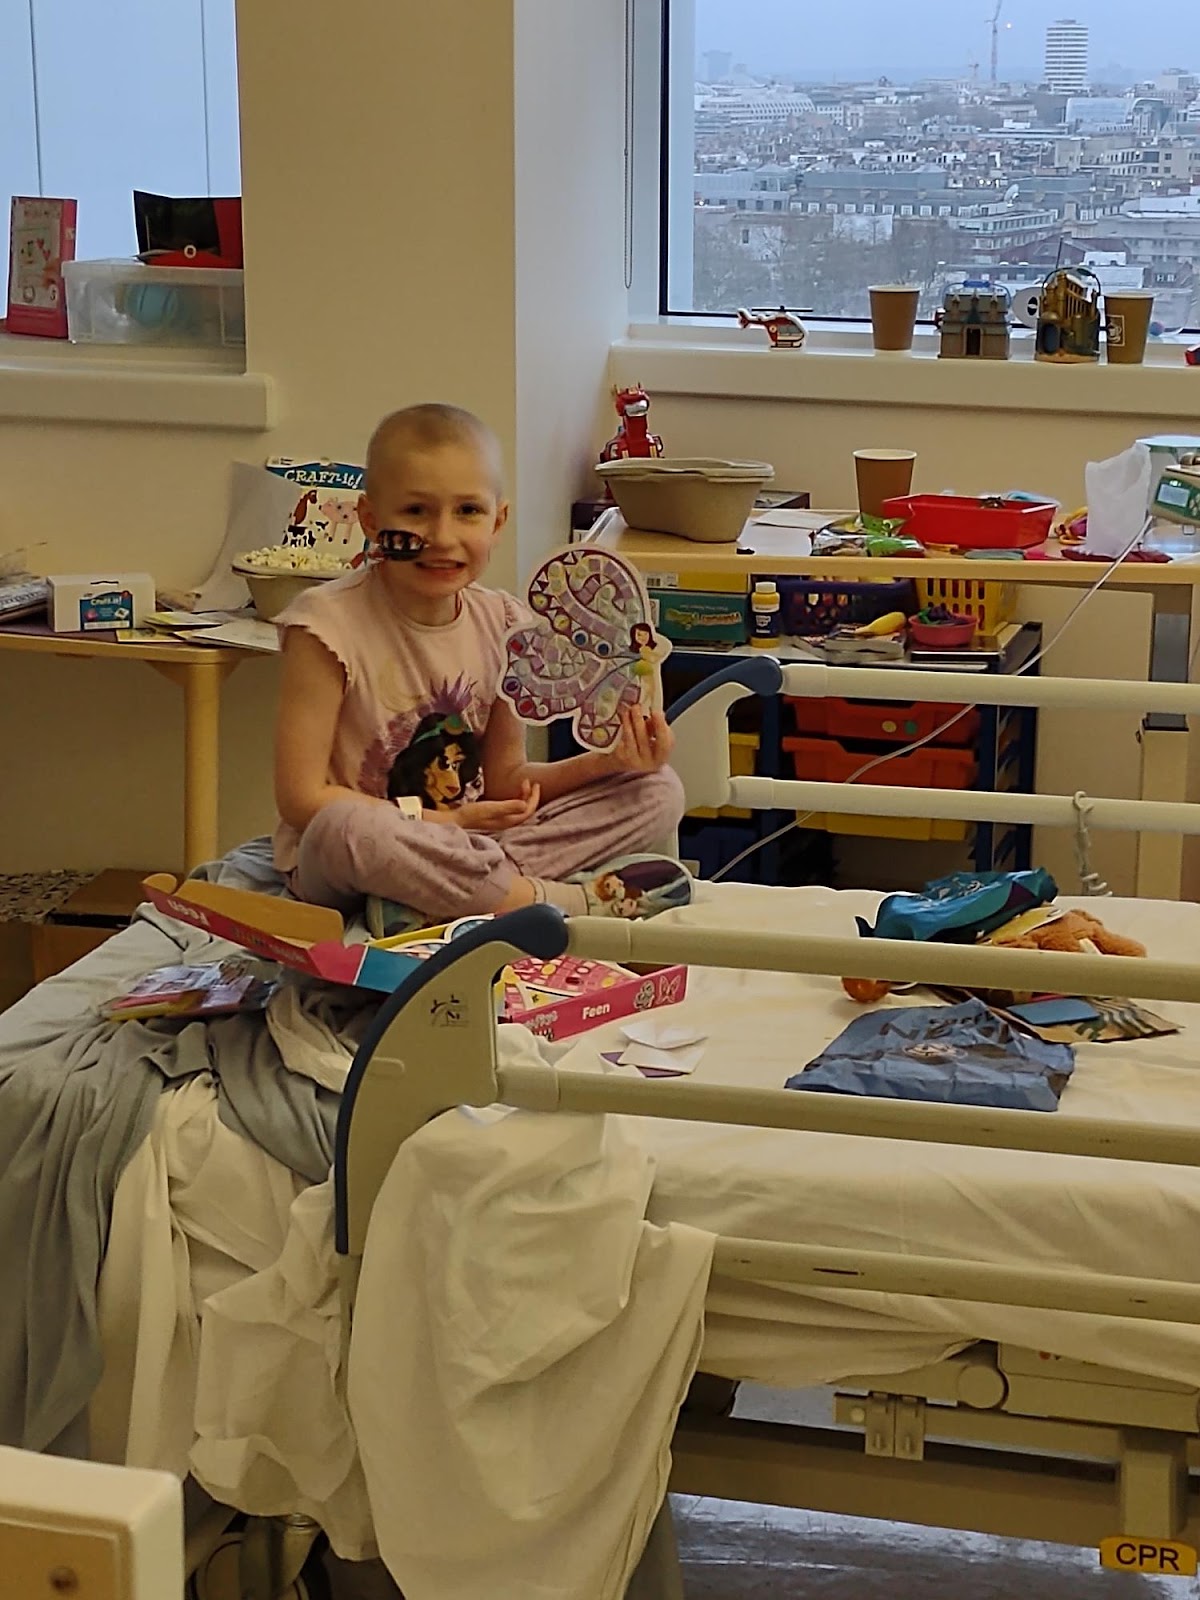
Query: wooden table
{"type": "Point", "coordinates": [1174, 587]}
{"type": "Point", "coordinates": [199, 670]}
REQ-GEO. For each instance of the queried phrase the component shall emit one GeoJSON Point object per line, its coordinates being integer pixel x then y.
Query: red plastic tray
{"type": "Point", "coordinates": [971, 523]}
{"type": "Point", "coordinates": [889, 721]}
{"type": "Point", "coordinates": [829, 761]}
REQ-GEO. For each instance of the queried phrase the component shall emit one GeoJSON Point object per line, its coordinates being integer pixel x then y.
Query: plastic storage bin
{"type": "Point", "coordinates": [831, 761]}
{"type": "Point", "coordinates": [990, 605]}
{"type": "Point", "coordinates": [888, 721]}
{"type": "Point", "coordinates": [811, 608]}
{"type": "Point", "coordinates": [743, 752]}
{"type": "Point", "coordinates": [127, 302]}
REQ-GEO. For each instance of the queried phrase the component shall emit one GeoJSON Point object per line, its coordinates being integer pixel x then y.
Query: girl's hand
{"type": "Point", "coordinates": [492, 816]}
{"type": "Point", "coordinates": [645, 743]}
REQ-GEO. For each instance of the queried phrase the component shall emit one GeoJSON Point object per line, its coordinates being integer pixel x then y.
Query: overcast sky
{"type": "Point", "coordinates": [861, 38]}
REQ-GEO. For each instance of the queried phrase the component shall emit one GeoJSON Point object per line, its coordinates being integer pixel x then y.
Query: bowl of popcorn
{"type": "Point", "coordinates": [277, 573]}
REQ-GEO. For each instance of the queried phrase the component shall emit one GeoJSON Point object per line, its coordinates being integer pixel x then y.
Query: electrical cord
{"type": "Point", "coordinates": [918, 744]}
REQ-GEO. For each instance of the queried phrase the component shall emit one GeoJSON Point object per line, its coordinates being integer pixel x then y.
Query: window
{"type": "Point", "coordinates": [102, 97]}
{"type": "Point", "coordinates": [765, 88]}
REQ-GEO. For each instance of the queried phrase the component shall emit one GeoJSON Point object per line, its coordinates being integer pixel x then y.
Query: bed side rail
{"type": "Point", "coordinates": [434, 1045]}
{"type": "Point", "coordinates": [701, 756]}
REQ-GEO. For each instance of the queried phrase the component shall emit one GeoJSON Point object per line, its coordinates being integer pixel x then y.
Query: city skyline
{"type": "Point", "coordinates": [770, 39]}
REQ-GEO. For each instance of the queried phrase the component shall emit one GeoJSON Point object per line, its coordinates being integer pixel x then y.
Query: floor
{"type": "Point", "coordinates": [733, 1551]}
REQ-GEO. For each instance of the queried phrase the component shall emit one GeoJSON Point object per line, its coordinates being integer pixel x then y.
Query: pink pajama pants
{"type": "Point", "coordinates": [350, 850]}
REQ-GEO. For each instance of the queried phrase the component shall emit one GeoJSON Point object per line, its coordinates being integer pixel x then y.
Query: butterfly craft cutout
{"type": "Point", "coordinates": [592, 651]}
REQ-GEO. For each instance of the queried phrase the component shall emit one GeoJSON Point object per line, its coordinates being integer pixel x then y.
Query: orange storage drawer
{"type": "Point", "coordinates": [830, 761]}
{"type": "Point", "coordinates": [888, 721]}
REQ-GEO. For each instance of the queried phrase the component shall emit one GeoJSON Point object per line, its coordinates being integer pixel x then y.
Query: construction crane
{"type": "Point", "coordinates": [996, 37]}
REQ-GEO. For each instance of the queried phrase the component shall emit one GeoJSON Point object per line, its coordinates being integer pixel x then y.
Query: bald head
{"type": "Point", "coordinates": [417, 429]}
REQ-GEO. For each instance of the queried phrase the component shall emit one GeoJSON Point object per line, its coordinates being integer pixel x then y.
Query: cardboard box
{"type": "Point", "coordinates": [85, 921]}
{"type": "Point", "coordinates": [687, 617]}
{"type": "Point", "coordinates": [309, 939]}
{"type": "Point", "coordinates": [563, 1019]}
{"type": "Point", "coordinates": [306, 938]}
{"type": "Point", "coordinates": [41, 239]}
{"type": "Point", "coordinates": [96, 602]}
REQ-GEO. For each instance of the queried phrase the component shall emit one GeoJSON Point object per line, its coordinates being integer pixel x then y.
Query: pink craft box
{"type": "Point", "coordinates": [564, 1019]}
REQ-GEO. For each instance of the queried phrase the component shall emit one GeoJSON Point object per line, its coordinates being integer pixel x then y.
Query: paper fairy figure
{"type": "Point", "coordinates": [592, 650]}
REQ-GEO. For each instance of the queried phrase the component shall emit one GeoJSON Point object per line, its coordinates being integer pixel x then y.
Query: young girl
{"type": "Point", "coordinates": [400, 775]}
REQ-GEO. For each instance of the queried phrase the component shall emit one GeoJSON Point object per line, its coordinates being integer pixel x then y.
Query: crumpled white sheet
{"type": "Point", "coordinates": [523, 1339]}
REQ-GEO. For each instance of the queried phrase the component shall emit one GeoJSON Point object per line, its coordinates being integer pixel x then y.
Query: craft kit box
{"type": "Point", "coordinates": [687, 617]}
{"type": "Point", "coordinates": [563, 1019]}
{"type": "Point", "coordinates": [308, 939]}
{"type": "Point", "coordinates": [93, 602]}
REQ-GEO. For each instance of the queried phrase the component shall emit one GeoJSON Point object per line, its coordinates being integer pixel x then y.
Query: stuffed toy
{"type": "Point", "coordinates": [1066, 933]}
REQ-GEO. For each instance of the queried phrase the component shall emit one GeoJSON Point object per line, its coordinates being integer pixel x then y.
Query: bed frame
{"type": "Point", "coordinates": [996, 1439]}
{"type": "Point", "coordinates": [999, 1440]}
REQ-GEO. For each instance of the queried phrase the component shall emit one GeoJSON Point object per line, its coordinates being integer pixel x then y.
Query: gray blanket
{"type": "Point", "coordinates": [77, 1097]}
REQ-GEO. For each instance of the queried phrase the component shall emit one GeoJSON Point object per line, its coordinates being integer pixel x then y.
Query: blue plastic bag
{"type": "Point", "coordinates": [961, 1055]}
{"type": "Point", "coordinates": [960, 907]}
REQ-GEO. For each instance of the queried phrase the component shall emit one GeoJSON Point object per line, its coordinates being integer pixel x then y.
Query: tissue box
{"type": "Point", "coordinates": [96, 602]}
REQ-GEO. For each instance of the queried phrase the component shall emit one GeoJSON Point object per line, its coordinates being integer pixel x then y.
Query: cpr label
{"type": "Point", "coordinates": [1163, 1557]}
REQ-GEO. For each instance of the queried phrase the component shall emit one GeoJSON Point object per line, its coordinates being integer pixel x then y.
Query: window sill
{"type": "Point", "coordinates": [838, 367]}
{"type": "Point", "coordinates": [49, 380]}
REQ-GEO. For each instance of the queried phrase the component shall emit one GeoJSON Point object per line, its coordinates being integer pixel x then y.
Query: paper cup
{"type": "Point", "coordinates": [893, 315]}
{"type": "Point", "coordinates": [1127, 325]}
{"type": "Point", "coordinates": [882, 475]}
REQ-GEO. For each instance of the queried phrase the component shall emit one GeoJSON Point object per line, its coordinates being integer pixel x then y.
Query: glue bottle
{"type": "Point", "coordinates": [764, 615]}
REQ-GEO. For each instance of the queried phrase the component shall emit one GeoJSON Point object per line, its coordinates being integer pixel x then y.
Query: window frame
{"type": "Point", "coordinates": [653, 70]}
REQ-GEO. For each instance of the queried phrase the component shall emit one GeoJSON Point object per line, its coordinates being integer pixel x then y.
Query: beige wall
{"type": "Point", "coordinates": [381, 224]}
{"type": "Point", "coordinates": [810, 444]}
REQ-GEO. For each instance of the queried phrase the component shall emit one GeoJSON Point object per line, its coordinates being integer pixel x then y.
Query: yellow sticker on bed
{"type": "Point", "coordinates": [1164, 1557]}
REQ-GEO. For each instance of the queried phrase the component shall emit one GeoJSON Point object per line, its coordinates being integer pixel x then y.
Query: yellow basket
{"type": "Point", "coordinates": [743, 747]}
{"type": "Point", "coordinates": [914, 828]}
{"type": "Point", "coordinates": [989, 604]}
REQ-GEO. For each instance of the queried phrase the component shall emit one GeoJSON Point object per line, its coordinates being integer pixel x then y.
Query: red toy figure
{"type": "Point", "coordinates": [633, 436]}
{"type": "Point", "coordinates": [784, 328]}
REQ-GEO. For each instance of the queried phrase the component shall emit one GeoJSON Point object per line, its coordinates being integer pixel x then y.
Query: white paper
{"type": "Point", "coordinates": [1117, 493]}
{"type": "Point", "coordinates": [259, 505]}
{"type": "Point", "coordinates": [660, 1035]}
{"type": "Point", "coordinates": [767, 540]}
{"type": "Point", "coordinates": [247, 635]}
{"type": "Point", "coordinates": [680, 1061]}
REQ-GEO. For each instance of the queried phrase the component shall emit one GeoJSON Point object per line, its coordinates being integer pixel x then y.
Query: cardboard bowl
{"type": "Point", "coordinates": [692, 497]}
{"type": "Point", "coordinates": [272, 592]}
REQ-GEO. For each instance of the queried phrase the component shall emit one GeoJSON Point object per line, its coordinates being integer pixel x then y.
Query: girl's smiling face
{"type": "Point", "coordinates": [447, 496]}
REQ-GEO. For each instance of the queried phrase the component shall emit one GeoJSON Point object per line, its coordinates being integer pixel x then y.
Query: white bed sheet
{"type": "Point", "coordinates": [1003, 1206]}
{"type": "Point", "coordinates": [233, 1274]}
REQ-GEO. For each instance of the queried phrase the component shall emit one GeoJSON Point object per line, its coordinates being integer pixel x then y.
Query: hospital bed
{"type": "Point", "coordinates": [1007, 1435]}
{"type": "Point", "coordinates": [975, 1431]}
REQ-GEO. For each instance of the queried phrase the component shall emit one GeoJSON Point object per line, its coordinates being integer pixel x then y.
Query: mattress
{"type": "Point", "coordinates": [219, 1301]}
{"type": "Point", "coordinates": [1008, 1207]}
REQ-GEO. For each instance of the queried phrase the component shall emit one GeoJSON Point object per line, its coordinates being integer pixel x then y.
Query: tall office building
{"type": "Point", "coordinates": [1067, 57]}
{"type": "Point", "coordinates": [717, 65]}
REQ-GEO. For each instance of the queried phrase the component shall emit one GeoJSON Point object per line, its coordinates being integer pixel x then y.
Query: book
{"type": "Point", "coordinates": [217, 989]}
{"type": "Point", "coordinates": [41, 238]}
